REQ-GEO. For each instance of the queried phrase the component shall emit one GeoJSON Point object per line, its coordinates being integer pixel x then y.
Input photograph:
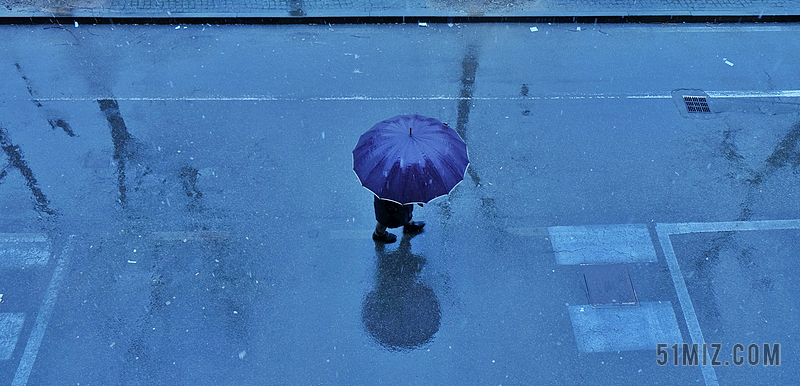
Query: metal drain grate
{"type": "Point", "coordinates": [696, 104]}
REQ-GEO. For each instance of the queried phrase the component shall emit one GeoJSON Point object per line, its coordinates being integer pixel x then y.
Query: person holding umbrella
{"type": "Point", "coordinates": [407, 160]}
{"type": "Point", "coordinates": [390, 214]}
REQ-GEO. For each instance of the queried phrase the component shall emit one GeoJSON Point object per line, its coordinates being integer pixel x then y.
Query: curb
{"type": "Point", "coordinates": [36, 18]}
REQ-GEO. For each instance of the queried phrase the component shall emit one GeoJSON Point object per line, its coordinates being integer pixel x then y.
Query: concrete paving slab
{"type": "Point", "coordinates": [623, 328]}
{"type": "Point", "coordinates": [624, 243]}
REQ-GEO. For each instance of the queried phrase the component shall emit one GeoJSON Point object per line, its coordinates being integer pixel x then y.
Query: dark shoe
{"type": "Point", "coordinates": [386, 237]}
{"type": "Point", "coordinates": [414, 227]}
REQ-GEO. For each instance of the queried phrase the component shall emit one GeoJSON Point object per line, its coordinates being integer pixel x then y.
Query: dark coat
{"type": "Point", "coordinates": [392, 214]}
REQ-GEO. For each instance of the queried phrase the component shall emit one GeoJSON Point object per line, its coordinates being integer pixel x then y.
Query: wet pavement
{"type": "Point", "coordinates": [179, 206]}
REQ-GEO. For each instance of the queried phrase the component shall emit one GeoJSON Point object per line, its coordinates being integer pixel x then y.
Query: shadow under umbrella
{"type": "Point", "coordinates": [401, 313]}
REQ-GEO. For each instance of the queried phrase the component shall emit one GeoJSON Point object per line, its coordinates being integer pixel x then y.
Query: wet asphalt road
{"type": "Point", "coordinates": [221, 237]}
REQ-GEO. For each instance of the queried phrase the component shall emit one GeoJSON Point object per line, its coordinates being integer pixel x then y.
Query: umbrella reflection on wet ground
{"type": "Point", "coordinates": [401, 313]}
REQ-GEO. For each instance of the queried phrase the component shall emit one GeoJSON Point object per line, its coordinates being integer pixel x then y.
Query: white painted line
{"type": "Point", "coordinates": [700, 227]}
{"type": "Point", "coordinates": [367, 98]}
{"type": "Point", "coordinates": [22, 238]}
{"type": "Point", "coordinates": [43, 317]}
{"type": "Point", "coordinates": [22, 257]}
{"type": "Point", "coordinates": [624, 328]}
{"type": "Point", "coordinates": [10, 326]}
{"type": "Point", "coordinates": [599, 244]}
{"type": "Point", "coordinates": [729, 94]}
{"type": "Point", "coordinates": [663, 231]}
{"type": "Point", "coordinates": [754, 94]}
{"type": "Point", "coordinates": [654, 96]}
{"type": "Point", "coordinates": [19, 250]}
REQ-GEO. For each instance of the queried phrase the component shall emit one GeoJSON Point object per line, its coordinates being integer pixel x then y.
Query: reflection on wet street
{"type": "Point", "coordinates": [402, 312]}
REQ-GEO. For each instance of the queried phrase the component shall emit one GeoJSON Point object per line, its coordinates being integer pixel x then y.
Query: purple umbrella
{"type": "Point", "coordinates": [410, 159]}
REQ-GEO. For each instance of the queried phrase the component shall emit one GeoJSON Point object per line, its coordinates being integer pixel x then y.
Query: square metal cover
{"type": "Point", "coordinates": [696, 104]}
{"type": "Point", "coordinates": [609, 285]}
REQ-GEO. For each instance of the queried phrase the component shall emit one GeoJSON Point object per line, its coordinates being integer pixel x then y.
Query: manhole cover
{"type": "Point", "coordinates": [696, 104]}
{"type": "Point", "coordinates": [609, 285]}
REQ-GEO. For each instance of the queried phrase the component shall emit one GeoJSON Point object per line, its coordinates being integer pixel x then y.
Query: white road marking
{"type": "Point", "coordinates": [43, 317]}
{"type": "Point", "coordinates": [754, 94]}
{"type": "Point", "coordinates": [10, 326]}
{"type": "Point", "coordinates": [689, 314]}
{"type": "Point", "coordinates": [649, 96]}
{"type": "Point", "coordinates": [348, 98]}
{"type": "Point", "coordinates": [663, 231]}
{"type": "Point", "coordinates": [19, 250]}
{"type": "Point", "coordinates": [701, 227]}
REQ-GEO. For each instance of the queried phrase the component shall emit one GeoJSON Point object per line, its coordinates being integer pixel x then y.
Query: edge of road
{"type": "Point", "coordinates": [93, 17]}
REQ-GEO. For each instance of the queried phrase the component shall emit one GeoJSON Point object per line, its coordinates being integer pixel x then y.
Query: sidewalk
{"type": "Point", "coordinates": [292, 9]}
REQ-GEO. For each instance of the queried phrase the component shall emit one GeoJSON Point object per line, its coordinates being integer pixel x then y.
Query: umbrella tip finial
{"type": "Point", "coordinates": [409, 131]}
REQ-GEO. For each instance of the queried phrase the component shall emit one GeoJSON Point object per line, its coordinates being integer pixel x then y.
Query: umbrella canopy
{"type": "Point", "coordinates": [410, 159]}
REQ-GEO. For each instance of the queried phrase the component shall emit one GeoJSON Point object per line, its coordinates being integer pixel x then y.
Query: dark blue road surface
{"type": "Point", "coordinates": [179, 206]}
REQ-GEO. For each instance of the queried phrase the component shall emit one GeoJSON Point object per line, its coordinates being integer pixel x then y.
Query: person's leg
{"type": "Point", "coordinates": [380, 234]}
{"type": "Point", "coordinates": [412, 227]}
